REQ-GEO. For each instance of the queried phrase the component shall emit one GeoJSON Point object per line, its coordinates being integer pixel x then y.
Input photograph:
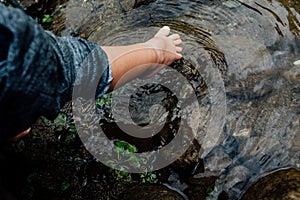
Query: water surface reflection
{"type": "Point", "coordinates": [252, 45]}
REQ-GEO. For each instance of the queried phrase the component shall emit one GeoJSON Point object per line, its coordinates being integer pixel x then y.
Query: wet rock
{"type": "Point", "coordinates": [293, 132]}
{"type": "Point", "coordinates": [237, 178]}
{"type": "Point", "coordinates": [142, 2]}
{"type": "Point", "coordinates": [217, 160]}
{"type": "Point", "coordinates": [148, 191]}
{"type": "Point", "coordinates": [282, 184]}
{"type": "Point", "coordinates": [293, 75]}
{"type": "Point", "coordinates": [128, 5]}
{"type": "Point", "coordinates": [223, 196]}
{"type": "Point", "coordinates": [232, 4]}
{"type": "Point", "coordinates": [38, 8]}
{"type": "Point", "coordinates": [83, 18]}
{"type": "Point", "coordinates": [243, 133]}
{"type": "Point", "coordinates": [259, 127]}
{"type": "Point", "coordinates": [200, 188]}
{"type": "Point", "coordinates": [297, 62]}
{"type": "Point", "coordinates": [28, 3]}
{"type": "Point", "coordinates": [76, 13]}
{"type": "Point", "coordinates": [250, 67]}
{"type": "Point", "coordinates": [189, 162]}
{"type": "Point", "coordinates": [265, 137]}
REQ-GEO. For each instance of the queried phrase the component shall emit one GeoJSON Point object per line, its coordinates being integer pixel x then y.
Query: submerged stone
{"type": "Point", "coordinates": [250, 67]}
{"type": "Point", "coordinates": [282, 184]}
{"type": "Point", "coordinates": [293, 75]}
{"type": "Point", "coordinates": [149, 191]}
{"type": "Point", "coordinates": [297, 62]}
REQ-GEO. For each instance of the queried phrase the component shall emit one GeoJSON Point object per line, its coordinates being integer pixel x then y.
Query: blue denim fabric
{"type": "Point", "coordinates": [5, 39]}
{"type": "Point", "coordinates": [38, 71]}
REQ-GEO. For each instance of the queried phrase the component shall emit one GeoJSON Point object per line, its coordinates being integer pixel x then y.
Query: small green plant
{"type": "Point", "coordinates": [125, 154]}
{"type": "Point", "coordinates": [35, 135]}
{"type": "Point", "coordinates": [72, 128]}
{"type": "Point", "coordinates": [19, 146]}
{"type": "Point", "coordinates": [209, 190]}
{"type": "Point", "coordinates": [149, 177]}
{"type": "Point", "coordinates": [69, 138]}
{"type": "Point", "coordinates": [60, 123]}
{"type": "Point", "coordinates": [124, 147]}
{"type": "Point", "coordinates": [122, 175]}
{"type": "Point", "coordinates": [201, 183]}
{"type": "Point", "coordinates": [47, 18]}
{"type": "Point", "coordinates": [104, 102]}
{"type": "Point", "coordinates": [65, 185]}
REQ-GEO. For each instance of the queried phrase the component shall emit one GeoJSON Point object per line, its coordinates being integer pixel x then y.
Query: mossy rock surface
{"type": "Point", "coordinates": [150, 192]}
{"type": "Point", "coordinates": [281, 185]}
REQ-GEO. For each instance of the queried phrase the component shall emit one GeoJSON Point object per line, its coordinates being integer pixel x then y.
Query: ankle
{"type": "Point", "coordinates": [156, 52]}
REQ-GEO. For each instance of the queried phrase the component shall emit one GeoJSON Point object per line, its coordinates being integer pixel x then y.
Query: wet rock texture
{"type": "Point", "coordinates": [147, 191]}
{"type": "Point", "coordinates": [253, 47]}
{"type": "Point", "coordinates": [200, 188]}
{"type": "Point", "coordinates": [250, 67]}
{"type": "Point", "coordinates": [282, 184]}
{"type": "Point", "coordinates": [128, 5]}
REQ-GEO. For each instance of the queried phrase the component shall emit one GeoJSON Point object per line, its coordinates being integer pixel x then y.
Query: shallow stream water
{"type": "Point", "coordinates": [240, 60]}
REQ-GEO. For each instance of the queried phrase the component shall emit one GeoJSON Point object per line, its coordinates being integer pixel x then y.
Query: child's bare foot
{"type": "Point", "coordinates": [166, 49]}
{"type": "Point", "coordinates": [143, 60]}
{"type": "Point", "coordinates": [166, 46]}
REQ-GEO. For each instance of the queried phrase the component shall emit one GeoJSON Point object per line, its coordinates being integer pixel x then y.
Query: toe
{"type": "Point", "coordinates": [177, 42]}
{"type": "Point", "coordinates": [178, 49]}
{"type": "Point", "coordinates": [179, 56]}
{"type": "Point", "coordinates": [164, 31]}
{"type": "Point", "coordinates": [175, 37]}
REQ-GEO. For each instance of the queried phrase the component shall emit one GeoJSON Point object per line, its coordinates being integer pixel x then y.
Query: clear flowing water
{"type": "Point", "coordinates": [239, 58]}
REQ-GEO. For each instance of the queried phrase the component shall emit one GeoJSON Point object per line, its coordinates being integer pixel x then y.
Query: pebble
{"type": "Point", "coordinates": [243, 133]}
{"type": "Point", "coordinates": [293, 75]}
{"type": "Point", "coordinates": [297, 62]}
{"type": "Point", "coordinates": [231, 4]}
